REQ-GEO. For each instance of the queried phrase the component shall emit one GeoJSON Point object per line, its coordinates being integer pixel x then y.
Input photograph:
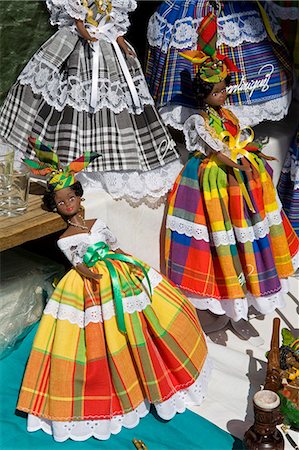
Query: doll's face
{"type": "Point", "coordinates": [67, 202]}
{"type": "Point", "coordinates": [218, 95]}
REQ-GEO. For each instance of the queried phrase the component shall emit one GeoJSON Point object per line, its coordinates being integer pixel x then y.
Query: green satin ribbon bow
{"type": "Point", "coordinates": [101, 252]}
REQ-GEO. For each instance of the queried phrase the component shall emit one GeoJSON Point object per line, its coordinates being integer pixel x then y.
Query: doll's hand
{"type": "Point", "coordinates": [124, 46]}
{"type": "Point", "coordinates": [95, 281]}
{"type": "Point", "coordinates": [83, 32]}
{"type": "Point", "coordinates": [244, 168]}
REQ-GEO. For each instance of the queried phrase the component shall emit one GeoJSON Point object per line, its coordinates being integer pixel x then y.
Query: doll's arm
{"type": "Point", "coordinates": [83, 31]}
{"type": "Point", "coordinates": [124, 46]}
{"type": "Point", "coordinates": [228, 162]}
{"type": "Point", "coordinates": [87, 273]}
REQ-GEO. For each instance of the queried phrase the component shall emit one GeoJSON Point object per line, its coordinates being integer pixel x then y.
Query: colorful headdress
{"type": "Point", "coordinates": [213, 67]}
{"type": "Point", "coordinates": [48, 164]}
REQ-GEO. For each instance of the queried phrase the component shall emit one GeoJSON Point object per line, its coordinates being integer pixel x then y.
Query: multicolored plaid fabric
{"type": "Point", "coordinates": [48, 163]}
{"type": "Point", "coordinates": [82, 367]}
{"type": "Point", "coordinates": [169, 75]}
{"type": "Point", "coordinates": [215, 245]}
{"type": "Point", "coordinates": [288, 185]}
{"type": "Point", "coordinates": [207, 34]}
{"type": "Point", "coordinates": [124, 141]}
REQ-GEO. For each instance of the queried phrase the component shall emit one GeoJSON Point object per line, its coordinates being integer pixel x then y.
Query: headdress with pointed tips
{"type": "Point", "coordinates": [48, 164]}
{"type": "Point", "coordinates": [213, 67]}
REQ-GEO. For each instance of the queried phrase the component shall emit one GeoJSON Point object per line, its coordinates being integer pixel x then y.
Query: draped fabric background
{"type": "Point", "coordinates": [24, 26]}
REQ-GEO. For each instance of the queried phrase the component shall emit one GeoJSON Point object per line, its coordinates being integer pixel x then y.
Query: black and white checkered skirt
{"type": "Point", "coordinates": [51, 99]}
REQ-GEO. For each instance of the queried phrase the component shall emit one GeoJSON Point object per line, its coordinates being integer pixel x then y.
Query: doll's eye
{"type": "Point", "coordinates": [60, 203]}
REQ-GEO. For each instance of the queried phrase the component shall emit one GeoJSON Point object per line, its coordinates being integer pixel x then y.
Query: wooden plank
{"type": "Point", "coordinates": [33, 224]}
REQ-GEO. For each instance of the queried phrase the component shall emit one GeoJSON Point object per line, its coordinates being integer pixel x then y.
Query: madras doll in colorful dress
{"type": "Point", "coordinates": [115, 336]}
{"type": "Point", "coordinates": [247, 34]}
{"type": "Point", "coordinates": [229, 245]}
{"type": "Point", "coordinates": [84, 89]}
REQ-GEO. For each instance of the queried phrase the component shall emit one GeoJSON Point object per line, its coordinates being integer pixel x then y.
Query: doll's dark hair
{"type": "Point", "coordinates": [49, 196]}
{"type": "Point", "coordinates": [202, 89]}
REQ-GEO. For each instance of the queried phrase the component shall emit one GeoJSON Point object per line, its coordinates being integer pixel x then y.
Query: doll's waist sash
{"type": "Point", "coordinates": [105, 28]}
{"type": "Point", "coordinates": [101, 252]}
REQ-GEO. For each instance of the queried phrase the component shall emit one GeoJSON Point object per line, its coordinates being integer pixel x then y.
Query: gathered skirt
{"type": "Point", "coordinates": [223, 253]}
{"type": "Point", "coordinates": [51, 100]}
{"type": "Point", "coordinates": [86, 378]}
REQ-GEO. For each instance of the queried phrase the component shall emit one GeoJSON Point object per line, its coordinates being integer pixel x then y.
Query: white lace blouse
{"type": "Point", "coordinates": [65, 12]}
{"type": "Point", "coordinates": [198, 137]}
{"type": "Point", "coordinates": [74, 247]}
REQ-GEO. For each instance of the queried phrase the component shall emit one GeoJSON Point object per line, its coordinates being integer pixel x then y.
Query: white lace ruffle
{"type": "Point", "coordinates": [274, 110]}
{"type": "Point", "coordinates": [46, 80]}
{"type": "Point", "coordinates": [103, 428]}
{"type": "Point", "coordinates": [197, 136]}
{"type": "Point", "coordinates": [75, 246]}
{"type": "Point", "coordinates": [64, 12]}
{"type": "Point", "coordinates": [233, 30]}
{"type": "Point", "coordinates": [281, 12]}
{"type": "Point", "coordinates": [237, 309]}
{"type": "Point", "coordinates": [137, 186]}
{"type": "Point", "coordinates": [243, 235]}
{"type": "Point", "coordinates": [99, 313]}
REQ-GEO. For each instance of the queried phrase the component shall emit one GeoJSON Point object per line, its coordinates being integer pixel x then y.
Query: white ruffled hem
{"type": "Point", "coordinates": [103, 428]}
{"type": "Point", "coordinates": [237, 309]}
{"type": "Point", "coordinates": [250, 115]}
{"type": "Point", "coordinates": [136, 186]}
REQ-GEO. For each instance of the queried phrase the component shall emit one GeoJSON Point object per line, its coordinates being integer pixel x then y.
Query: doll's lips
{"type": "Point", "coordinates": [69, 209]}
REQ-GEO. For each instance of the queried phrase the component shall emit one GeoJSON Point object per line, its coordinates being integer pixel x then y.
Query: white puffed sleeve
{"type": "Point", "coordinates": [120, 15]}
{"type": "Point", "coordinates": [65, 12]}
{"type": "Point", "coordinates": [110, 239]}
{"type": "Point", "coordinates": [198, 138]}
{"type": "Point", "coordinates": [74, 248]}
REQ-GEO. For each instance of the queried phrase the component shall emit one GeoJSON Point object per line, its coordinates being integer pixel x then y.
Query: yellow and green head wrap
{"type": "Point", "coordinates": [48, 165]}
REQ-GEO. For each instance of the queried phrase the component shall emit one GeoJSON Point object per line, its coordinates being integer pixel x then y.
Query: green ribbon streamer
{"type": "Point", "coordinates": [101, 252]}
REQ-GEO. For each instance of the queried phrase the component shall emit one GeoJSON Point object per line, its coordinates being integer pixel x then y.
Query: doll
{"type": "Point", "coordinates": [262, 91]}
{"type": "Point", "coordinates": [110, 341]}
{"type": "Point", "coordinates": [229, 245]}
{"type": "Point", "coordinates": [84, 89]}
{"type": "Point", "coordinates": [288, 185]}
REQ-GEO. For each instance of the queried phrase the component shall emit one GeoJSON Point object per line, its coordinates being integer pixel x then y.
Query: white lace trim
{"type": "Point", "coordinates": [282, 12]}
{"type": "Point", "coordinates": [103, 428]}
{"type": "Point", "coordinates": [106, 311]}
{"type": "Point", "coordinates": [233, 30]}
{"type": "Point", "coordinates": [46, 80]}
{"type": "Point", "coordinates": [134, 186]}
{"type": "Point", "coordinates": [243, 235]}
{"type": "Point", "coordinates": [75, 246]}
{"type": "Point", "coordinates": [63, 12]}
{"type": "Point", "coordinates": [274, 110]}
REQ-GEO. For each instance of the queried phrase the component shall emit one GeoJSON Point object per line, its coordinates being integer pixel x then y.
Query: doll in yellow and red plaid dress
{"type": "Point", "coordinates": [229, 245]}
{"type": "Point", "coordinates": [115, 336]}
